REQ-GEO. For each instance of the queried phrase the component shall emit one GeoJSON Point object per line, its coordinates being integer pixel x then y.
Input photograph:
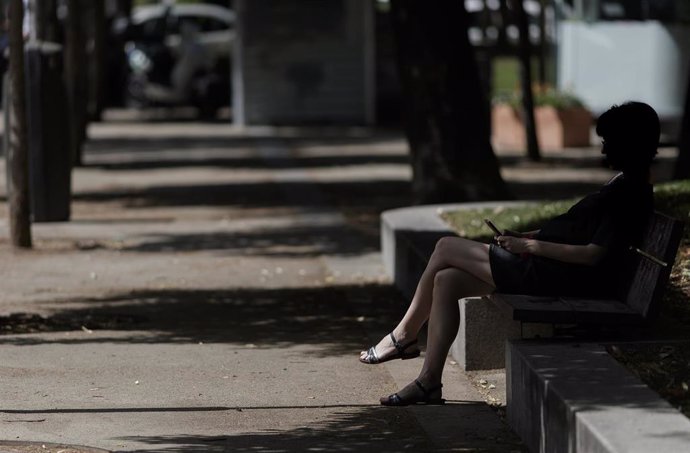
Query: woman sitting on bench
{"type": "Point", "coordinates": [584, 252]}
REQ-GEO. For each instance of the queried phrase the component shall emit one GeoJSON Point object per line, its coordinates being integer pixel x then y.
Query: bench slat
{"type": "Point", "coordinates": [567, 310]}
{"type": "Point", "coordinates": [537, 309]}
{"type": "Point", "coordinates": [661, 240]}
{"type": "Point", "coordinates": [602, 311]}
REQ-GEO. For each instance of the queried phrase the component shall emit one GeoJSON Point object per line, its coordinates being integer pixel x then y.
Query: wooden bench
{"type": "Point", "coordinates": [506, 315]}
{"type": "Point", "coordinates": [655, 260]}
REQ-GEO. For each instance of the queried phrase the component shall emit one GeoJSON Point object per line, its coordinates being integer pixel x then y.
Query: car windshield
{"type": "Point", "coordinates": [203, 23]}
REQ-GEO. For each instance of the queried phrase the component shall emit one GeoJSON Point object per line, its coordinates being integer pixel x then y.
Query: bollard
{"type": "Point", "coordinates": [50, 158]}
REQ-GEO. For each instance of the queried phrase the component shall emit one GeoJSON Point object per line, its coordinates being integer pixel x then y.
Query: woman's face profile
{"type": "Point", "coordinates": [614, 152]}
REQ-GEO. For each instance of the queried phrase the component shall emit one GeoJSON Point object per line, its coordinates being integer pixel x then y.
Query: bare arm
{"type": "Point", "coordinates": [518, 234]}
{"type": "Point", "coordinates": [588, 254]}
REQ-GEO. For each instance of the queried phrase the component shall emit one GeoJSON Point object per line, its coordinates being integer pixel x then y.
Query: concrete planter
{"type": "Point", "coordinates": [576, 398]}
{"type": "Point", "coordinates": [556, 128]}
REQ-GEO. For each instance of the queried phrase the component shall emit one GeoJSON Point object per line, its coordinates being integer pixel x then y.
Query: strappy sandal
{"type": "Point", "coordinates": [424, 398]}
{"type": "Point", "coordinates": [372, 358]}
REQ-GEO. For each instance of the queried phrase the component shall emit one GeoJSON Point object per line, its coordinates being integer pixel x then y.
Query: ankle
{"type": "Point", "coordinates": [403, 335]}
{"type": "Point", "coordinates": [429, 380]}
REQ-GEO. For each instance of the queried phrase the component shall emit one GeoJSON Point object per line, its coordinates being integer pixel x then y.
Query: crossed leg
{"type": "Point", "coordinates": [469, 275]}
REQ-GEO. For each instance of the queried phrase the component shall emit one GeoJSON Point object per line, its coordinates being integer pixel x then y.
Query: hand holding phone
{"type": "Point", "coordinates": [491, 225]}
{"type": "Point", "coordinates": [498, 232]}
{"type": "Point", "coordinates": [515, 234]}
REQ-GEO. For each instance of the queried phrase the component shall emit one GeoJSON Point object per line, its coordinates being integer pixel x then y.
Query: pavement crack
{"type": "Point", "coordinates": [38, 420]}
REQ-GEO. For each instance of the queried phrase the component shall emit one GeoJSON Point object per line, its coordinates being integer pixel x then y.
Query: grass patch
{"type": "Point", "coordinates": [506, 75]}
{"type": "Point", "coordinates": [662, 366]}
{"type": "Point", "coordinates": [673, 198]}
{"type": "Point", "coordinates": [470, 223]}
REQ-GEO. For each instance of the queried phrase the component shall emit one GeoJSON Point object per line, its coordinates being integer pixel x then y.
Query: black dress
{"type": "Point", "coordinates": [613, 218]}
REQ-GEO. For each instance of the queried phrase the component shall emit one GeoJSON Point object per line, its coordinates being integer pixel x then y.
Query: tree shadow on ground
{"type": "Point", "coordinates": [366, 429]}
{"type": "Point", "coordinates": [546, 163]}
{"type": "Point", "coordinates": [367, 194]}
{"type": "Point", "coordinates": [303, 241]}
{"type": "Point", "coordinates": [330, 319]}
{"type": "Point", "coordinates": [172, 141]}
{"type": "Point", "coordinates": [243, 162]}
{"type": "Point", "coordinates": [258, 194]}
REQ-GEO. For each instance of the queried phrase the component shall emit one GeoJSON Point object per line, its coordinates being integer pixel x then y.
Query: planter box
{"type": "Point", "coordinates": [556, 129]}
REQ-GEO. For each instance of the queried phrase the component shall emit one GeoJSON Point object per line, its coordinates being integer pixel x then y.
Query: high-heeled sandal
{"type": "Point", "coordinates": [372, 358]}
{"type": "Point", "coordinates": [425, 397]}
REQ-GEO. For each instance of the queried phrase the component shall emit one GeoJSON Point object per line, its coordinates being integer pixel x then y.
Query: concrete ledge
{"type": "Point", "coordinates": [408, 237]}
{"type": "Point", "coordinates": [485, 325]}
{"type": "Point", "coordinates": [576, 398]}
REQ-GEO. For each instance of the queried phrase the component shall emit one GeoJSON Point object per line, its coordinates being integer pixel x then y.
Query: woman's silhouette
{"type": "Point", "coordinates": [583, 252]}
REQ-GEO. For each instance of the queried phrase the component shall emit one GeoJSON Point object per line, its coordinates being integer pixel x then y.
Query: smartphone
{"type": "Point", "coordinates": [491, 225]}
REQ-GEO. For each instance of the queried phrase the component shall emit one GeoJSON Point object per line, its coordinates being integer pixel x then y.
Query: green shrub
{"type": "Point", "coordinates": [543, 97]}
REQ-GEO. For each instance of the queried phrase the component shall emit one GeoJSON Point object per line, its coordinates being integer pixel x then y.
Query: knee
{"type": "Point", "coordinates": [443, 245]}
{"type": "Point", "coordinates": [445, 277]}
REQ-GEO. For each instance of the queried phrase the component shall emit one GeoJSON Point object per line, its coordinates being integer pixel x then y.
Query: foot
{"type": "Point", "coordinates": [415, 392]}
{"type": "Point", "coordinates": [390, 348]}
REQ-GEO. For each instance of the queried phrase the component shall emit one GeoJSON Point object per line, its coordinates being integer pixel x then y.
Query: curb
{"type": "Point", "coordinates": [409, 235]}
{"type": "Point", "coordinates": [577, 398]}
{"type": "Point", "coordinates": [10, 446]}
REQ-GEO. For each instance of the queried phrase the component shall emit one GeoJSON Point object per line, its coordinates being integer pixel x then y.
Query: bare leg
{"type": "Point", "coordinates": [450, 252]}
{"type": "Point", "coordinates": [450, 285]}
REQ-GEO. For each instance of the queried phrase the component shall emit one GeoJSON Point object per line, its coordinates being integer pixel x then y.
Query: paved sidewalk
{"type": "Point", "coordinates": [211, 294]}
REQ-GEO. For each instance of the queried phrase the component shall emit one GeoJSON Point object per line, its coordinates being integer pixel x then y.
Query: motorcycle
{"type": "Point", "coordinates": [157, 77]}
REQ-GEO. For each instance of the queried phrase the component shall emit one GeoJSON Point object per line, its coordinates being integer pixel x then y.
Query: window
{"type": "Point", "coordinates": [203, 23]}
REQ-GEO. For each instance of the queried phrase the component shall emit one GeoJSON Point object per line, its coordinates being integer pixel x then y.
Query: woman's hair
{"type": "Point", "coordinates": [632, 128]}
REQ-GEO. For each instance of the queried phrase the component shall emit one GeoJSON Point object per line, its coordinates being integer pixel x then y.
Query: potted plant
{"type": "Point", "coordinates": [562, 120]}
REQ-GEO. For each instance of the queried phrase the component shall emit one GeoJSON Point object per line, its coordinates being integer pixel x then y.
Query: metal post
{"type": "Point", "coordinates": [17, 152]}
{"type": "Point", "coordinates": [369, 43]}
{"type": "Point", "coordinates": [238, 111]}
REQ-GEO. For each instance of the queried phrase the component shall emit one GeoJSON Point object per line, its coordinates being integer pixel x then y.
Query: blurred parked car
{"type": "Point", "coordinates": [178, 55]}
{"type": "Point", "coordinates": [215, 24]}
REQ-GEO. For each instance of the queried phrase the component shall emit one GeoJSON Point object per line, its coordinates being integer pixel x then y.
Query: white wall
{"type": "Point", "coordinates": [607, 63]}
{"type": "Point", "coordinates": [301, 62]}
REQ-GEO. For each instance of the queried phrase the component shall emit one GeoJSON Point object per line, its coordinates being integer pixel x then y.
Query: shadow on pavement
{"type": "Point", "coordinates": [331, 319]}
{"type": "Point", "coordinates": [380, 194]}
{"type": "Point", "coordinates": [371, 192]}
{"type": "Point", "coordinates": [171, 140]}
{"type": "Point", "coordinates": [367, 429]}
{"type": "Point", "coordinates": [301, 241]}
{"type": "Point", "coordinates": [116, 410]}
{"type": "Point", "coordinates": [243, 162]}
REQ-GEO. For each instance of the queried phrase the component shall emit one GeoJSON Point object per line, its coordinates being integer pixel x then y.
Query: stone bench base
{"type": "Point", "coordinates": [577, 398]}
{"type": "Point", "coordinates": [484, 328]}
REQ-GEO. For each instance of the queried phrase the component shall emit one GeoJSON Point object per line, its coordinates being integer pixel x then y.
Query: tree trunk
{"type": "Point", "coordinates": [543, 44]}
{"type": "Point", "coordinates": [17, 153]}
{"type": "Point", "coordinates": [46, 23]}
{"type": "Point", "coordinates": [526, 82]}
{"type": "Point", "coordinates": [682, 169]}
{"type": "Point", "coordinates": [444, 105]}
{"type": "Point", "coordinates": [76, 77]}
{"type": "Point", "coordinates": [502, 41]}
{"type": "Point", "coordinates": [97, 59]}
{"type": "Point", "coordinates": [124, 8]}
